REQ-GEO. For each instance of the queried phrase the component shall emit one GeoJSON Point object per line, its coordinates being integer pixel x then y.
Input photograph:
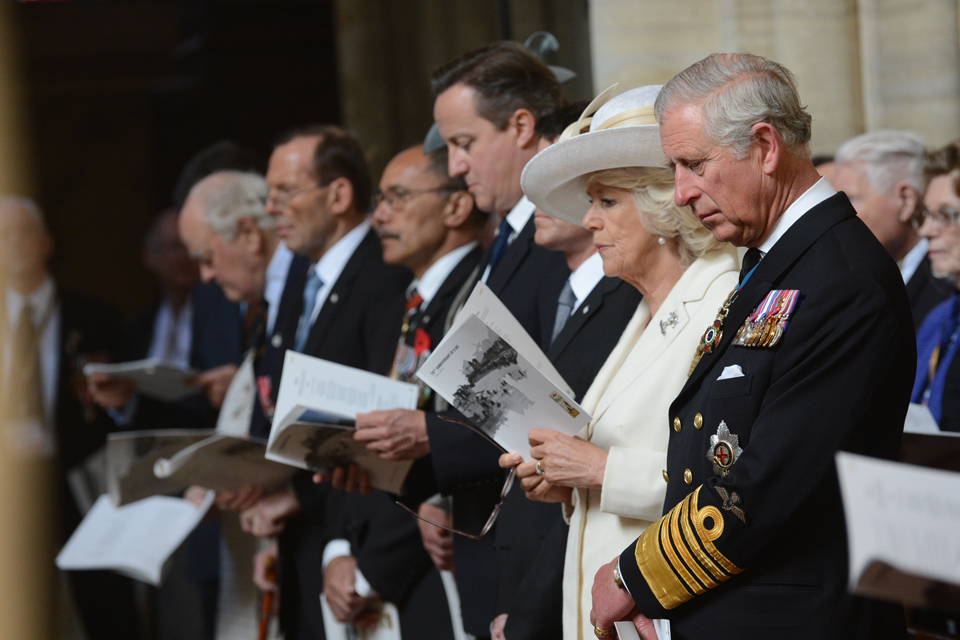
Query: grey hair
{"type": "Point", "coordinates": [227, 196]}
{"type": "Point", "coordinates": [652, 189]}
{"type": "Point", "coordinates": [26, 204]}
{"type": "Point", "coordinates": [736, 91]}
{"type": "Point", "coordinates": [887, 157]}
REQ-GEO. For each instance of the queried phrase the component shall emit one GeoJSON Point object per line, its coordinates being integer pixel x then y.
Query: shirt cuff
{"type": "Point", "coordinates": [337, 549]}
{"type": "Point", "coordinates": [625, 587]}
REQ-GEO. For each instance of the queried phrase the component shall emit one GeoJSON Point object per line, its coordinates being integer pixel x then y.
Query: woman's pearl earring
{"type": "Point", "coordinates": [662, 240]}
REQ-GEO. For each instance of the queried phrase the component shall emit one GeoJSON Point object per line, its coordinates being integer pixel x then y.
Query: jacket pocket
{"type": "Point", "coordinates": [731, 387]}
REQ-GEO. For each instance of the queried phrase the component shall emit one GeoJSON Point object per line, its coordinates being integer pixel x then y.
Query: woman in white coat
{"type": "Point", "coordinates": [610, 479]}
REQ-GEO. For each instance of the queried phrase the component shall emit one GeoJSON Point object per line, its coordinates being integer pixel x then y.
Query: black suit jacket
{"type": "Point", "coordinates": [465, 464]}
{"type": "Point", "coordinates": [215, 341]}
{"type": "Point", "coordinates": [531, 537]}
{"type": "Point", "coordinates": [839, 379]}
{"type": "Point", "coordinates": [352, 329]}
{"type": "Point", "coordinates": [385, 539]}
{"type": "Point", "coordinates": [267, 360]}
{"type": "Point", "coordinates": [925, 292]}
{"type": "Point", "coordinates": [89, 330]}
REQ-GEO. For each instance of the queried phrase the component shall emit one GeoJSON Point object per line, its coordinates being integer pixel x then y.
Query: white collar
{"type": "Point", "coordinates": [586, 277]}
{"type": "Point", "coordinates": [41, 299]}
{"type": "Point", "coordinates": [908, 265]}
{"type": "Point", "coordinates": [434, 277]}
{"type": "Point", "coordinates": [333, 261]}
{"type": "Point", "coordinates": [278, 268]}
{"type": "Point", "coordinates": [820, 191]}
{"type": "Point", "coordinates": [520, 214]}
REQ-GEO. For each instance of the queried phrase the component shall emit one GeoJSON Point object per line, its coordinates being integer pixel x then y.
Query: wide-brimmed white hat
{"type": "Point", "coordinates": [623, 132]}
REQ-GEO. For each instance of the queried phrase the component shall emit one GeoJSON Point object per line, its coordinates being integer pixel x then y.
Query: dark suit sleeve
{"type": "Point", "coordinates": [537, 613]}
{"type": "Point", "coordinates": [847, 344]}
{"type": "Point", "coordinates": [461, 457]}
{"type": "Point", "coordinates": [386, 542]}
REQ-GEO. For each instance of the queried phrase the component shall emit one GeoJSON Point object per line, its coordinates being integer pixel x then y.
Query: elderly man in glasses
{"type": "Point", "coordinates": [882, 174]}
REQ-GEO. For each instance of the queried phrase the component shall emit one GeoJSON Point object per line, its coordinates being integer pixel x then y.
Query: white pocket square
{"type": "Point", "coordinates": [733, 371]}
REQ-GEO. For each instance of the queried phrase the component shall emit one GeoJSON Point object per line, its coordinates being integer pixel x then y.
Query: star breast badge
{"type": "Point", "coordinates": [724, 450]}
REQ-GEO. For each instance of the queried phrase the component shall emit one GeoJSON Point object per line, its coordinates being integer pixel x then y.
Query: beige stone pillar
{"type": "Point", "coordinates": [911, 66]}
{"type": "Point", "coordinates": [862, 65]}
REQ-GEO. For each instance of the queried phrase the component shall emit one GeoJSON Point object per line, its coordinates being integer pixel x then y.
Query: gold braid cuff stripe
{"type": "Point", "coordinates": [669, 560]}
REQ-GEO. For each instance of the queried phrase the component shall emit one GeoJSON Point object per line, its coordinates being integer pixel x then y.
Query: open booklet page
{"type": "Point", "coordinates": [223, 463]}
{"type": "Point", "coordinates": [131, 456]}
{"type": "Point", "coordinates": [154, 377]}
{"type": "Point", "coordinates": [498, 390]}
{"type": "Point", "coordinates": [484, 304]}
{"type": "Point", "coordinates": [317, 405]}
{"type": "Point", "coordinates": [924, 444]}
{"type": "Point", "coordinates": [135, 540]}
{"type": "Point", "coordinates": [902, 524]}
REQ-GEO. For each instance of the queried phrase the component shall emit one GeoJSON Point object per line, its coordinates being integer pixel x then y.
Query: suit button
{"type": "Point", "coordinates": [666, 476]}
{"type": "Point", "coordinates": [687, 476]}
{"type": "Point", "coordinates": [676, 425]}
{"type": "Point", "coordinates": [698, 421]}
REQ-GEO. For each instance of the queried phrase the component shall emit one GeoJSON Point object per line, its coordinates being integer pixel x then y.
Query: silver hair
{"type": "Point", "coordinates": [227, 196]}
{"type": "Point", "coordinates": [736, 91]}
{"type": "Point", "coordinates": [26, 204]}
{"type": "Point", "coordinates": [886, 158]}
{"type": "Point", "coordinates": [652, 189]}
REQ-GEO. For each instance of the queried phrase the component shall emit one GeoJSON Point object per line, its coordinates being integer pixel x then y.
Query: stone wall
{"type": "Point", "coordinates": [862, 65]}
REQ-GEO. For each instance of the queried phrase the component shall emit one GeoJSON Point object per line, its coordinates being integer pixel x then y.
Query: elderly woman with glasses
{"type": "Point", "coordinates": [938, 370]}
{"type": "Point", "coordinates": [611, 480]}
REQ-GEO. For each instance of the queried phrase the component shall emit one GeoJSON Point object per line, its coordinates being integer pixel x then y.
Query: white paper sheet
{"type": "Point", "coordinates": [903, 516]}
{"type": "Point", "coordinates": [154, 377]}
{"type": "Point", "coordinates": [484, 304]}
{"type": "Point", "coordinates": [491, 383]}
{"type": "Point", "coordinates": [336, 394]}
{"type": "Point", "coordinates": [135, 540]}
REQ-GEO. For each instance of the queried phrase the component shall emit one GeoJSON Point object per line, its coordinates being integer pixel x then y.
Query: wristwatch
{"type": "Point", "coordinates": [617, 578]}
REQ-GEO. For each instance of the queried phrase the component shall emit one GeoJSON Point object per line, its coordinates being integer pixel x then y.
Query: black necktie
{"type": "Point", "coordinates": [499, 246]}
{"type": "Point", "coordinates": [750, 260]}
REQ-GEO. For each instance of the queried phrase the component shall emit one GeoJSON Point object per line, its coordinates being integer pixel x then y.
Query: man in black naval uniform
{"type": "Point", "coordinates": [813, 354]}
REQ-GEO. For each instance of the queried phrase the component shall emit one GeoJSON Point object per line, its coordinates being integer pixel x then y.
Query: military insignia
{"type": "Point", "coordinates": [714, 333]}
{"type": "Point", "coordinates": [766, 324]}
{"type": "Point", "coordinates": [731, 500]}
{"type": "Point", "coordinates": [724, 450]}
{"type": "Point", "coordinates": [670, 322]}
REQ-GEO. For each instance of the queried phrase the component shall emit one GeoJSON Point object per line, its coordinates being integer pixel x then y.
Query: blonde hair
{"type": "Point", "coordinates": [652, 189]}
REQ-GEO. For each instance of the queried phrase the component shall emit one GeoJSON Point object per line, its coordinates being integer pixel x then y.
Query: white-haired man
{"type": "Point", "coordinates": [812, 353]}
{"type": "Point", "coordinates": [882, 174]}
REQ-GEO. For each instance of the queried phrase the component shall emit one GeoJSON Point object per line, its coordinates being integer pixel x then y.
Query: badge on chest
{"type": "Point", "coordinates": [766, 324]}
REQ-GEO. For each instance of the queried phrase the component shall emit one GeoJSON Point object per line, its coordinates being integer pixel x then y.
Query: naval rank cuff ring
{"type": "Point", "coordinates": [601, 633]}
{"type": "Point", "coordinates": [540, 470]}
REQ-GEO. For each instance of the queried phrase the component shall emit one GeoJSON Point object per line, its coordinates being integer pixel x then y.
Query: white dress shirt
{"type": "Point", "coordinates": [180, 325]}
{"type": "Point", "coordinates": [820, 191]}
{"type": "Point", "coordinates": [331, 265]}
{"type": "Point", "coordinates": [585, 279]}
{"type": "Point", "coordinates": [910, 262]}
{"type": "Point", "coordinates": [434, 277]}
{"type": "Point", "coordinates": [276, 279]}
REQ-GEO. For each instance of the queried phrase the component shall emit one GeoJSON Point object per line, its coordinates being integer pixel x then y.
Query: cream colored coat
{"type": "Point", "coordinates": [629, 401]}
